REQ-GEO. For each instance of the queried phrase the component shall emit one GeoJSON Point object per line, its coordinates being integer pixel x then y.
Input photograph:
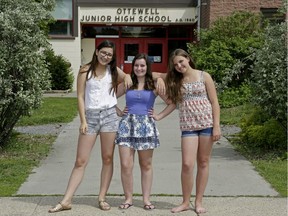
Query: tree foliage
{"type": "Point", "coordinates": [269, 73]}
{"type": "Point", "coordinates": [228, 40]}
{"type": "Point", "coordinates": [23, 73]}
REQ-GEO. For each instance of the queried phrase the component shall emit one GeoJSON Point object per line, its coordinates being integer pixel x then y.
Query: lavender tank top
{"type": "Point", "coordinates": [139, 102]}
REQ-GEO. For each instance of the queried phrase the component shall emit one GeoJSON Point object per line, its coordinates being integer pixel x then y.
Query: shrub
{"type": "Point", "coordinates": [23, 72]}
{"type": "Point", "coordinates": [263, 134]}
{"type": "Point", "coordinates": [60, 70]}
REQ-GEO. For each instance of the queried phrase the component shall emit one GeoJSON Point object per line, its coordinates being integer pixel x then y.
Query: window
{"type": "Point", "coordinates": [272, 15]}
{"type": "Point", "coordinates": [143, 32]}
{"type": "Point", "coordinates": [63, 13]}
{"type": "Point", "coordinates": [89, 31]}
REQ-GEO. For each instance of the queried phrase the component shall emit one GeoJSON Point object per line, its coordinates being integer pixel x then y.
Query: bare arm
{"type": "Point", "coordinates": [123, 77]}
{"type": "Point", "coordinates": [166, 111]}
{"type": "Point", "coordinates": [160, 84]}
{"type": "Point", "coordinates": [81, 84]}
{"type": "Point", "coordinates": [212, 94]}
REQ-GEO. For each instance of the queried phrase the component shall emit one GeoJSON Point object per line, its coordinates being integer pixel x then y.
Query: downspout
{"type": "Point", "coordinates": [199, 19]}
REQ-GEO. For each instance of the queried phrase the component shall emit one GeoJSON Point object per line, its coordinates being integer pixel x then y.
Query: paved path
{"type": "Point", "coordinates": [234, 187]}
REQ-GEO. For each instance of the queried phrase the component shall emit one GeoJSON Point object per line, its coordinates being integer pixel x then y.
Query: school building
{"type": "Point", "coordinates": [152, 27]}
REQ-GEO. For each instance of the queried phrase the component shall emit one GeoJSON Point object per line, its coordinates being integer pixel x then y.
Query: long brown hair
{"type": "Point", "coordinates": [94, 62]}
{"type": "Point", "coordinates": [174, 79]}
{"type": "Point", "coordinates": [149, 83]}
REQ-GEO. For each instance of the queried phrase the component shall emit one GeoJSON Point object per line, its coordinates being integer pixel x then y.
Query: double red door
{"type": "Point", "coordinates": [127, 48]}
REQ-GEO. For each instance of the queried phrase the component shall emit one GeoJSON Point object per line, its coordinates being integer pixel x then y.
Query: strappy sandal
{"type": "Point", "coordinates": [125, 206]}
{"type": "Point", "coordinates": [103, 205]}
{"type": "Point", "coordinates": [60, 207]}
{"type": "Point", "coordinates": [149, 207]}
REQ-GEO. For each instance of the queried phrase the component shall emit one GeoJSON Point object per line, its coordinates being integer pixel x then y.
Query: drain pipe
{"type": "Point", "coordinates": [199, 19]}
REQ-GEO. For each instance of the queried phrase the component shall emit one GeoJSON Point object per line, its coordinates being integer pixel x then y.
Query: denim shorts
{"type": "Point", "coordinates": [101, 120]}
{"type": "Point", "coordinates": [203, 132]}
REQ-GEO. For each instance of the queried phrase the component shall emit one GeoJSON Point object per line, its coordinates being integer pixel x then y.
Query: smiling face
{"type": "Point", "coordinates": [181, 64]}
{"type": "Point", "coordinates": [104, 55]}
{"type": "Point", "coordinates": [140, 67]}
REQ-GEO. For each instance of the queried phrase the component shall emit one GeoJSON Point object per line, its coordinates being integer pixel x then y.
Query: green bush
{"type": "Point", "coordinates": [23, 72]}
{"type": "Point", "coordinates": [262, 134]}
{"type": "Point", "coordinates": [228, 40]}
{"type": "Point", "coordinates": [232, 97]}
{"type": "Point", "coordinates": [269, 73]}
{"type": "Point", "coordinates": [60, 70]}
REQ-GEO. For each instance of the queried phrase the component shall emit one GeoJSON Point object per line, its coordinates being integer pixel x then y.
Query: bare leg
{"type": "Point", "coordinates": [145, 161]}
{"type": "Point", "coordinates": [203, 159]}
{"type": "Point", "coordinates": [127, 163]}
{"type": "Point", "coordinates": [107, 153]}
{"type": "Point", "coordinates": [85, 145]}
{"type": "Point", "coordinates": [189, 153]}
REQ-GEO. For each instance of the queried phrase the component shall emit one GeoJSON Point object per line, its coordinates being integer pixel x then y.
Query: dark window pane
{"type": "Point", "coordinates": [93, 31]}
{"type": "Point", "coordinates": [179, 32]}
{"type": "Point", "coordinates": [61, 28]}
{"type": "Point", "coordinates": [155, 53]}
{"type": "Point", "coordinates": [131, 50]}
{"type": "Point", "coordinates": [143, 32]}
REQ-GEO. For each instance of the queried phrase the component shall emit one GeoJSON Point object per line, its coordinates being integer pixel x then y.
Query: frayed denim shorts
{"type": "Point", "coordinates": [105, 120]}
{"type": "Point", "coordinates": [203, 132]}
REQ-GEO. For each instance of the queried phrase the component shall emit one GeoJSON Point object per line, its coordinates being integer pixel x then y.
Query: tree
{"type": "Point", "coordinates": [23, 72]}
{"type": "Point", "coordinates": [221, 50]}
{"type": "Point", "coordinates": [269, 74]}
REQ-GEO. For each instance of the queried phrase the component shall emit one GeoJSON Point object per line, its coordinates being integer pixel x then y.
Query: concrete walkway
{"type": "Point", "coordinates": [234, 187]}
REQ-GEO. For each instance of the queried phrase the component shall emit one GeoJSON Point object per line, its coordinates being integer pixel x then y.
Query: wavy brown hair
{"type": "Point", "coordinates": [94, 62]}
{"type": "Point", "coordinates": [149, 83]}
{"type": "Point", "coordinates": [174, 79]}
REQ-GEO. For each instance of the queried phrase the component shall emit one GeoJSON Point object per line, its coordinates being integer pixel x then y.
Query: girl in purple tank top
{"type": "Point", "coordinates": [137, 129]}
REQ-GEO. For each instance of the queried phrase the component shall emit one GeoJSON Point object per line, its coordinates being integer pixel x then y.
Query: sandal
{"type": "Point", "coordinates": [125, 206]}
{"type": "Point", "coordinates": [149, 207]}
{"type": "Point", "coordinates": [103, 205]}
{"type": "Point", "coordinates": [60, 207]}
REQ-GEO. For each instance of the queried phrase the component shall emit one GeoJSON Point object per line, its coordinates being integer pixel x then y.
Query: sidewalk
{"type": "Point", "coordinates": [234, 187]}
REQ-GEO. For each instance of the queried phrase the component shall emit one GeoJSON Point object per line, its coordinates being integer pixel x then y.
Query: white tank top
{"type": "Point", "coordinates": [97, 92]}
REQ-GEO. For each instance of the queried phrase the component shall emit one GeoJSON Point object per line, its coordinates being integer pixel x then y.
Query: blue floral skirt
{"type": "Point", "coordinates": [138, 132]}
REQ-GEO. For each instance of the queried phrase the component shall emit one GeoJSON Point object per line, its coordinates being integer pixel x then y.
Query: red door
{"type": "Point", "coordinates": [127, 48]}
{"type": "Point", "coordinates": [155, 48]}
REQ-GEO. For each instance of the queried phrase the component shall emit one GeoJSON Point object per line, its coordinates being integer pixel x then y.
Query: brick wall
{"type": "Point", "coordinates": [220, 8]}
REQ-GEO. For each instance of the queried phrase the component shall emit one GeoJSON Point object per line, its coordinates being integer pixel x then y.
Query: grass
{"type": "Point", "coordinates": [234, 115]}
{"type": "Point", "coordinates": [274, 170]}
{"type": "Point", "coordinates": [53, 110]}
{"type": "Point", "coordinates": [19, 157]}
{"type": "Point", "coordinates": [24, 151]}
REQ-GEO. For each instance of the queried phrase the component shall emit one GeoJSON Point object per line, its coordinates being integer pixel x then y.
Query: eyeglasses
{"type": "Point", "coordinates": [106, 54]}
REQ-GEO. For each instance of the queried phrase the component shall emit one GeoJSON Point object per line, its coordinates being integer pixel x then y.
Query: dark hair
{"type": "Point", "coordinates": [94, 62]}
{"type": "Point", "coordinates": [174, 79]}
{"type": "Point", "coordinates": [149, 83]}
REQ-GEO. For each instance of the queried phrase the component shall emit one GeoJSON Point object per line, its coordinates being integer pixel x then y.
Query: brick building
{"type": "Point", "coordinates": [211, 10]}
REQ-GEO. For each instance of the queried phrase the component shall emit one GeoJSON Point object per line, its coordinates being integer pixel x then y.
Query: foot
{"type": "Point", "coordinates": [103, 205]}
{"type": "Point", "coordinates": [60, 207]}
{"type": "Point", "coordinates": [180, 208]}
{"type": "Point", "coordinates": [125, 206]}
{"type": "Point", "coordinates": [200, 210]}
{"type": "Point", "coordinates": [149, 206]}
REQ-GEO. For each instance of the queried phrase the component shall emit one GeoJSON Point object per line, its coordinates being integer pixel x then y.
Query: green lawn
{"type": "Point", "coordinates": [24, 151]}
